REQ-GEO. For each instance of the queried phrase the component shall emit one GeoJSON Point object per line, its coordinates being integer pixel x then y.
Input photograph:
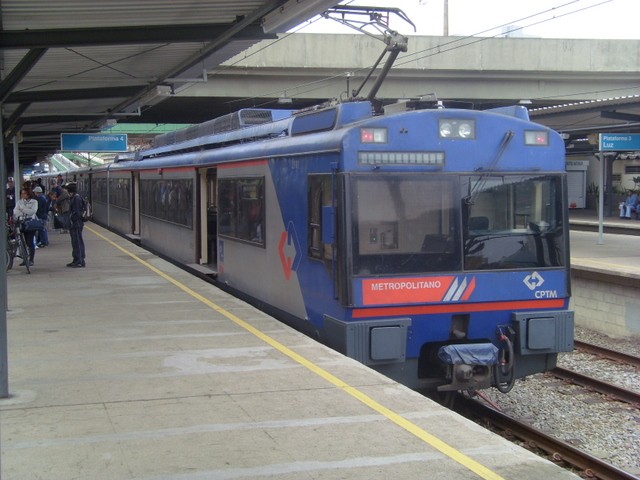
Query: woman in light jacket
{"type": "Point", "coordinates": [26, 208]}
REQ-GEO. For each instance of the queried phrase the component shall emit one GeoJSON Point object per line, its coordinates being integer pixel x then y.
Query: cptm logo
{"type": "Point", "coordinates": [289, 250]}
{"type": "Point", "coordinates": [535, 280]}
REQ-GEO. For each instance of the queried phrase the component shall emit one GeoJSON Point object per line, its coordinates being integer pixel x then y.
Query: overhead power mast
{"type": "Point", "coordinates": [376, 19]}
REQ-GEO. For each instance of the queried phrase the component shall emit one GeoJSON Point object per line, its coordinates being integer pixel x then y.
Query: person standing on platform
{"type": "Point", "coordinates": [56, 188]}
{"type": "Point", "coordinates": [62, 205]}
{"type": "Point", "coordinates": [26, 209]}
{"type": "Point", "coordinates": [42, 236]}
{"type": "Point", "coordinates": [11, 197]}
{"type": "Point", "coordinates": [75, 226]}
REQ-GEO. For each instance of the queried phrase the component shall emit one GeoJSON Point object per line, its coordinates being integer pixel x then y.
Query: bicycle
{"type": "Point", "coordinates": [17, 245]}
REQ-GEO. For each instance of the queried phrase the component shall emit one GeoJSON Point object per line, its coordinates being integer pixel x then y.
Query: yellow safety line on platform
{"type": "Point", "coordinates": [396, 418]}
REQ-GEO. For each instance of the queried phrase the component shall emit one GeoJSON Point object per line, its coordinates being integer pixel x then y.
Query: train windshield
{"type": "Point", "coordinates": [512, 221]}
{"type": "Point", "coordinates": [412, 224]}
{"type": "Point", "coordinates": [405, 224]}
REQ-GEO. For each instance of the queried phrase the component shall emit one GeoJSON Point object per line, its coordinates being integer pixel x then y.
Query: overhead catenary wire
{"type": "Point", "coordinates": [475, 39]}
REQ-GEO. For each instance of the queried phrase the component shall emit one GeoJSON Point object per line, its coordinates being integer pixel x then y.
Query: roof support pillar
{"type": "Point", "coordinates": [4, 357]}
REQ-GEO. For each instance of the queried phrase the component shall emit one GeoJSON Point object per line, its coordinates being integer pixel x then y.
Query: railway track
{"type": "Point", "coordinates": [557, 450]}
{"type": "Point", "coordinates": [606, 353]}
{"type": "Point", "coordinates": [596, 385]}
{"type": "Point", "coordinates": [605, 388]}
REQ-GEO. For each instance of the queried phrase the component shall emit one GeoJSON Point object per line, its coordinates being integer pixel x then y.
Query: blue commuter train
{"type": "Point", "coordinates": [430, 244]}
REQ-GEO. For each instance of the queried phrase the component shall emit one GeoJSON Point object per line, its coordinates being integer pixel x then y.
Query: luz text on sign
{"type": "Point", "coordinates": [619, 142]}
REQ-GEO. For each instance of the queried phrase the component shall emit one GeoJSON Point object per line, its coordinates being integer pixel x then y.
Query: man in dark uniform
{"type": "Point", "coordinates": [11, 197]}
{"type": "Point", "coordinates": [75, 228]}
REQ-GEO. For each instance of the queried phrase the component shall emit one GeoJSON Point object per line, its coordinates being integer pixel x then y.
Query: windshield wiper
{"type": "Point", "coordinates": [482, 181]}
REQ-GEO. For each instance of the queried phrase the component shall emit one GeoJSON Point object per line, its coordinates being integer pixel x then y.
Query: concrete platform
{"type": "Point", "coordinates": [588, 220]}
{"type": "Point", "coordinates": [133, 369]}
{"type": "Point", "coordinates": [619, 254]}
{"type": "Point", "coordinates": [605, 277]}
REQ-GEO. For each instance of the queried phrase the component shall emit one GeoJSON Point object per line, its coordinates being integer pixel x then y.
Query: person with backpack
{"type": "Point", "coordinates": [62, 205]}
{"type": "Point", "coordinates": [76, 223]}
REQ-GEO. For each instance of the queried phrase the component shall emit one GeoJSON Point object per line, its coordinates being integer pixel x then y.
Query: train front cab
{"type": "Point", "coordinates": [456, 281]}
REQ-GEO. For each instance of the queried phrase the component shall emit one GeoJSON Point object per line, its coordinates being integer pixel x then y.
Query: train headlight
{"type": "Point", "coordinates": [454, 128]}
{"type": "Point", "coordinates": [373, 135]}
{"type": "Point", "coordinates": [536, 137]}
{"type": "Point", "coordinates": [466, 130]}
{"type": "Point", "coordinates": [445, 129]}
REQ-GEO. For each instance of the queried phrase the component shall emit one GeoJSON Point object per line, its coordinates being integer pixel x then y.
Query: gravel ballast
{"type": "Point", "coordinates": [609, 430]}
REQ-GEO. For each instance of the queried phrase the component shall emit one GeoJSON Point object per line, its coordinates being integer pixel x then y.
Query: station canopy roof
{"type": "Point", "coordinates": [69, 65]}
{"type": "Point", "coordinates": [580, 119]}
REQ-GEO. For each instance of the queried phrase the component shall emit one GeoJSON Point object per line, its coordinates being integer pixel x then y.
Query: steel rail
{"type": "Point", "coordinates": [596, 385]}
{"type": "Point", "coordinates": [558, 450]}
{"type": "Point", "coordinates": [607, 353]}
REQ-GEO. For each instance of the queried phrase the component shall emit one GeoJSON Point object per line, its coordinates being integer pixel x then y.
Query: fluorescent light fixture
{"type": "Point", "coordinates": [293, 13]}
{"type": "Point", "coordinates": [107, 124]}
{"type": "Point", "coordinates": [155, 95]}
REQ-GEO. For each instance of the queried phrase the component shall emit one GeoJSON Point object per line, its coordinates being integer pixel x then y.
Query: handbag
{"type": "Point", "coordinates": [33, 225]}
{"type": "Point", "coordinates": [63, 220]}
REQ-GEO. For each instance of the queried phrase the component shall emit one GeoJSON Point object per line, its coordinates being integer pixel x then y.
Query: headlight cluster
{"type": "Point", "coordinates": [373, 135]}
{"type": "Point", "coordinates": [536, 137]}
{"type": "Point", "coordinates": [457, 128]}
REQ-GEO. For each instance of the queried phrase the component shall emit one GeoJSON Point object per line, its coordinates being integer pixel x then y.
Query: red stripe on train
{"type": "Point", "coordinates": [456, 308]}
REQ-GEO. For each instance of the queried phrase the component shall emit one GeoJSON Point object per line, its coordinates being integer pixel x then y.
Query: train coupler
{"type": "Point", "coordinates": [469, 366]}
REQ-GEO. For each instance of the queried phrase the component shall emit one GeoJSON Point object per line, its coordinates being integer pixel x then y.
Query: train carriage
{"type": "Point", "coordinates": [430, 244]}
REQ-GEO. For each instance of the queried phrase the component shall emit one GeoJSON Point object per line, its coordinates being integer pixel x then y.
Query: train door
{"type": "Point", "coordinates": [135, 206]}
{"type": "Point", "coordinates": [208, 217]}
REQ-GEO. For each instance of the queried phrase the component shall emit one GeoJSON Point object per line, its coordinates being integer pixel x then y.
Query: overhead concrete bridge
{"type": "Point", "coordinates": [484, 71]}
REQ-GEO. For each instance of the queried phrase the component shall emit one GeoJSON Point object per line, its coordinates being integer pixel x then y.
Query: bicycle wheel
{"type": "Point", "coordinates": [24, 251]}
{"type": "Point", "coordinates": [11, 252]}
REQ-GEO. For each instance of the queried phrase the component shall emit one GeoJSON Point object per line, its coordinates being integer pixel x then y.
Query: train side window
{"type": "Point", "coordinates": [99, 190]}
{"type": "Point", "coordinates": [241, 209]}
{"type": "Point", "coordinates": [120, 192]}
{"type": "Point", "coordinates": [168, 200]}
{"type": "Point", "coordinates": [319, 195]}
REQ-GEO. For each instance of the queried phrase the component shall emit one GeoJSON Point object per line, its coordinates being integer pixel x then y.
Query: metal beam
{"type": "Point", "coordinates": [40, 139]}
{"type": "Point", "coordinates": [560, 112]}
{"type": "Point", "coordinates": [41, 134]}
{"type": "Point", "coordinates": [629, 117]}
{"type": "Point", "coordinates": [20, 71]}
{"type": "Point", "coordinates": [73, 94]}
{"type": "Point", "coordinates": [17, 113]}
{"type": "Point", "coordinates": [34, 120]}
{"type": "Point", "coordinates": [220, 41]}
{"type": "Point", "coordinates": [12, 132]}
{"type": "Point", "coordinates": [84, 37]}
